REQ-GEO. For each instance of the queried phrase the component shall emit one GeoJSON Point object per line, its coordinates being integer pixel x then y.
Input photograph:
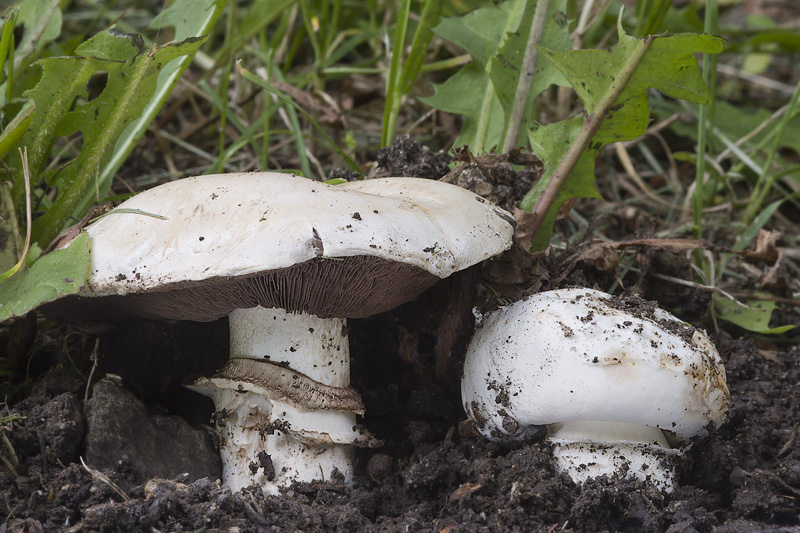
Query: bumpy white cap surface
{"type": "Point", "coordinates": [277, 240]}
{"type": "Point", "coordinates": [571, 355]}
{"type": "Point", "coordinates": [239, 224]}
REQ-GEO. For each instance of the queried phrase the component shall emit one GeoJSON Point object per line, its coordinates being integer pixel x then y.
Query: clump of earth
{"type": "Point", "coordinates": [99, 434]}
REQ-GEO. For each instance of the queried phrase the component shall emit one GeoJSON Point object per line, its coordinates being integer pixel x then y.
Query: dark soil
{"type": "Point", "coordinates": [434, 473]}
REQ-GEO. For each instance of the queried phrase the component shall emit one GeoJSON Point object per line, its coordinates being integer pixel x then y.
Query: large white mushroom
{"type": "Point", "coordinates": [287, 260]}
{"type": "Point", "coordinates": [616, 386]}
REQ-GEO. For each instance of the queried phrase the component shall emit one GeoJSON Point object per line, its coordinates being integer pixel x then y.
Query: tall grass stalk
{"type": "Point", "coordinates": [224, 84]}
{"type": "Point", "coordinates": [649, 16]}
{"type": "Point", "coordinates": [705, 124]}
{"type": "Point", "coordinates": [403, 75]}
{"type": "Point", "coordinates": [393, 96]}
{"type": "Point", "coordinates": [292, 106]}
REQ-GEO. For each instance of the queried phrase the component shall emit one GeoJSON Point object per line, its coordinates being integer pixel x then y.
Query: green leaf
{"type": "Point", "coordinates": [751, 231]}
{"type": "Point", "coordinates": [755, 316]}
{"type": "Point", "coordinates": [670, 67]}
{"type": "Point", "coordinates": [551, 143]}
{"type": "Point", "coordinates": [42, 21]}
{"type": "Point", "coordinates": [463, 94]}
{"type": "Point", "coordinates": [616, 112]}
{"type": "Point", "coordinates": [64, 106]}
{"type": "Point", "coordinates": [506, 66]}
{"type": "Point", "coordinates": [10, 238]}
{"type": "Point", "coordinates": [15, 129]}
{"type": "Point", "coordinates": [190, 19]}
{"type": "Point", "coordinates": [480, 32]}
{"type": "Point", "coordinates": [57, 274]}
{"type": "Point", "coordinates": [470, 92]}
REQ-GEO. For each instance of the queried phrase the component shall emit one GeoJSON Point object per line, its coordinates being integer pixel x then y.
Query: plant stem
{"type": "Point", "coordinates": [709, 74]}
{"type": "Point", "coordinates": [526, 76]}
{"type": "Point", "coordinates": [583, 139]}
{"type": "Point", "coordinates": [482, 128]}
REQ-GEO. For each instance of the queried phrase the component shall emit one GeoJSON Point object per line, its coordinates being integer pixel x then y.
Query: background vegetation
{"type": "Point", "coordinates": [109, 98]}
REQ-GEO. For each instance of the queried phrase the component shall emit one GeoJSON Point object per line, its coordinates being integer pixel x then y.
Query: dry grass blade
{"type": "Point", "coordinates": [789, 443]}
{"type": "Point", "coordinates": [27, 175]}
{"type": "Point", "coordinates": [9, 458]}
{"type": "Point", "coordinates": [94, 359]}
{"type": "Point", "coordinates": [625, 160]}
{"type": "Point", "coordinates": [105, 479]}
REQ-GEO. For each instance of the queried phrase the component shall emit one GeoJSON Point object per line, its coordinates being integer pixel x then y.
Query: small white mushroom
{"type": "Point", "coordinates": [616, 388]}
{"type": "Point", "coordinates": [288, 260]}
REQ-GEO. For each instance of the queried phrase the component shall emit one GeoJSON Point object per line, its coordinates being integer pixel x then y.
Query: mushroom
{"type": "Point", "coordinates": [287, 259]}
{"type": "Point", "coordinates": [616, 387]}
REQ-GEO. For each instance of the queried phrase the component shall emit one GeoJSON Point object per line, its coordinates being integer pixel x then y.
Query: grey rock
{"type": "Point", "coordinates": [119, 427]}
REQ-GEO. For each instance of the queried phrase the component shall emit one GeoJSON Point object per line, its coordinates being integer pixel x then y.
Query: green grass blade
{"type": "Point", "coordinates": [765, 179]}
{"type": "Point", "coordinates": [419, 44]}
{"type": "Point", "coordinates": [705, 124]}
{"type": "Point", "coordinates": [7, 47]}
{"type": "Point", "coordinates": [650, 15]}
{"type": "Point", "coordinates": [285, 98]}
{"type": "Point", "coordinates": [393, 93]}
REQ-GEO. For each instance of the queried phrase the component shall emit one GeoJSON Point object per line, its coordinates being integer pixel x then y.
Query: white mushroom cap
{"type": "Point", "coordinates": [568, 355]}
{"type": "Point", "coordinates": [604, 379]}
{"type": "Point", "coordinates": [239, 225]}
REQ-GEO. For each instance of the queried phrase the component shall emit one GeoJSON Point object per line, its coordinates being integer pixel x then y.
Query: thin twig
{"type": "Point", "coordinates": [652, 130]}
{"type": "Point", "coordinates": [694, 285]}
{"type": "Point", "coordinates": [526, 75]}
{"type": "Point", "coordinates": [589, 15]}
{"type": "Point", "coordinates": [756, 79]}
{"type": "Point", "coordinates": [584, 137]}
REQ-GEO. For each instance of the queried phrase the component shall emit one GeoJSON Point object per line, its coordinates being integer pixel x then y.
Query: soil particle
{"type": "Point", "coordinates": [493, 176]}
{"type": "Point", "coordinates": [408, 158]}
{"type": "Point", "coordinates": [379, 467]}
{"type": "Point", "coordinates": [53, 425]}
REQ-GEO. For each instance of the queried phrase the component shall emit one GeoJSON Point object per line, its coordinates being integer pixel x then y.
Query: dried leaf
{"type": "Point", "coordinates": [765, 248]}
{"type": "Point", "coordinates": [465, 489]}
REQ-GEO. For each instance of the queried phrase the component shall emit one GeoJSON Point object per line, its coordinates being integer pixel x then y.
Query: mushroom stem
{"type": "Point", "coordinates": [588, 449]}
{"type": "Point", "coordinates": [285, 412]}
{"type": "Point", "coordinates": [317, 347]}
